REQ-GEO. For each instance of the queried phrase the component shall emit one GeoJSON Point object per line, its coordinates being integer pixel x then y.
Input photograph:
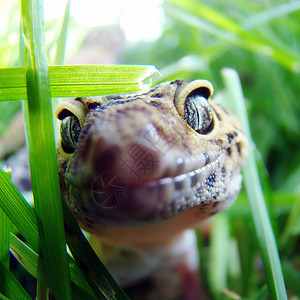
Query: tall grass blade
{"type": "Point", "coordinates": [260, 215]}
{"type": "Point", "coordinates": [34, 264]}
{"type": "Point", "coordinates": [18, 211]}
{"type": "Point", "coordinates": [62, 38]}
{"type": "Point", "coordinates": [219, 252]}
{"type": "Point", "coordinates": [5, 227]}
{"type": "Point", "coordinates": [43, 167]}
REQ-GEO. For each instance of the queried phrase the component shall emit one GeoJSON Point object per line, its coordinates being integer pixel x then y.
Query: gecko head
{"type": "Point", "coordinates": [141, 159]}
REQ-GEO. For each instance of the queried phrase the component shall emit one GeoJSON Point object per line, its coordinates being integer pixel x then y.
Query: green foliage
{"type": "Point", "coordinates": [259, 39]}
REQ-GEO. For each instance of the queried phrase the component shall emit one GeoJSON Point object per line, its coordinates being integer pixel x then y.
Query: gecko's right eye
{"type": "Point", "coordinates": [69, 131]}
{"type": "Point", "coordinates": [71, 113]}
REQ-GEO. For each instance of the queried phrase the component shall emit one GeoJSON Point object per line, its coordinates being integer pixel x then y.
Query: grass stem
{"type": "Point", "coordinates": [260, 215]}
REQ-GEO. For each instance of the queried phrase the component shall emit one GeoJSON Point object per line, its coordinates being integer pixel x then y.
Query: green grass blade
{"type": "Point", "coordinates": [76, 81]}
{"type": "Point", "coordinates": [19, 211]}
{"type": "Point", "coordinates": [269, 15]}
{"type": "Point", "coordinates": [260, 216]}
{"type": "Point", "coordinates": [2, 297]}
{"type": "Point", "coordinates": [42, 291]}
{"type": "Point", "coordinates": [262, 294]}
{"type": "Point", "coordinates": [5, 227]}
{"type": "Point", "coordinates": [43, 167]}
{"type": "Point", "coordinates": [34, 264]}
{"type": "Point", "coordinates": [219, 252]}
{"type": "Point", "coordinates": [63, 36]}
{"type": "Point", "coordinates": [10, 286]}
{"type": "Point", "coordinates": [88, 261]}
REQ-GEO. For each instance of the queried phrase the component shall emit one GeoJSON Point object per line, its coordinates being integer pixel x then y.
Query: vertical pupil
{"type": "Point", "coordinates": [197, 112]}
{"type": "Point", "coordinates": [69, 131]}
{"type": "Point", "coordinates": [75, 129]}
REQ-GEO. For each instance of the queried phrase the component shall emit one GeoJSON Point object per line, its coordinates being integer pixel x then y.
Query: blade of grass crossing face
{"type": "Point", "coordinates": [260, 216]}
{"type": "Point", "coordinates": [76, 81]}
{"type": "Point", "coordinates": [44, 173]}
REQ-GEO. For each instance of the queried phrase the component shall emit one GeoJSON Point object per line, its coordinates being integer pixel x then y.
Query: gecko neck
{"type": "Point", "coordinates": [172, 262]}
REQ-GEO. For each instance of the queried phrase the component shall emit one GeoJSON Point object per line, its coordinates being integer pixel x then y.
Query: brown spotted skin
{"type": "Point", "coordinates": [140, 175]}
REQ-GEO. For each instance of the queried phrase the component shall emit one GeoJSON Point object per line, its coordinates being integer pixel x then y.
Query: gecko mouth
{"type": "Point", "coordinates": [110, 200]}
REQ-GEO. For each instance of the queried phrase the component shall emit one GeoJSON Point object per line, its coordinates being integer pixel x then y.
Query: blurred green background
{"type": "Point", "coordinates": [197, 39]}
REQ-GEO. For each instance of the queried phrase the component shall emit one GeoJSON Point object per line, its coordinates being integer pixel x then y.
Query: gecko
{"type": "Point", "coordinates": [141, 170]}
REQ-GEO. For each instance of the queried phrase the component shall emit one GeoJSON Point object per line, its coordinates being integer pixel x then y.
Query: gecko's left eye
{"type": "Point", "coordinates": [191, 101]}
{"type": "Point", "coordinates": [69, 132]}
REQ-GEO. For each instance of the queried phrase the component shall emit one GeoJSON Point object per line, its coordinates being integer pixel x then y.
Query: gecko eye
{"type": "Point", "coordinates": [191, 101]}
{"type": "Point", "coordinates": [69, 131]}
{"type": "Point", "coordinates": [197, 113]}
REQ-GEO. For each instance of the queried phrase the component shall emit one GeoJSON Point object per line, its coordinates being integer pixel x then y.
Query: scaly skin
{"type": "Point", "coordinates": [141, 170]}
